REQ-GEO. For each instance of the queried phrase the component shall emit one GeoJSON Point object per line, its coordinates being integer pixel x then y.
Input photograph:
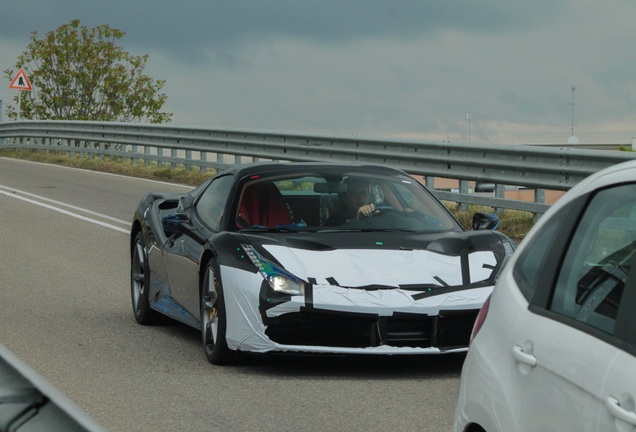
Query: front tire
{"type": "Point", "coordinates": [140, 283]}
{"type": "Point", "coordinates": [213, 319]}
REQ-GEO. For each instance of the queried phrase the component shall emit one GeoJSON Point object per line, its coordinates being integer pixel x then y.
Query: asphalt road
{"type": "Point", "coordinates": [65, 311]}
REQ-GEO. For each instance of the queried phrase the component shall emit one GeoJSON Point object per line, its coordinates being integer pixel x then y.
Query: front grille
{"type": "Point", "coordinates": [316, 329]}
{"type": "Point", "coordinates": [449, 329]}
{"type": "Point", "coordinates": [454, 328]}
{"type": "Point", "coordinates": [408, 332]}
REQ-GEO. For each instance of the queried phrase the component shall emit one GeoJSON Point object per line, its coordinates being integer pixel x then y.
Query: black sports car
{"type": "Point", "coordinates": [312, 258]}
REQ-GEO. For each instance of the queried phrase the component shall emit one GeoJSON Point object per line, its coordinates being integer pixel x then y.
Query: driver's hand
{"type": "Point", "coordinates": [366, 210]}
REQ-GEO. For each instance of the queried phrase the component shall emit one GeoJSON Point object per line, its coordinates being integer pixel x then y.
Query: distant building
{"type": "Point", "coordinates": [512, 193]}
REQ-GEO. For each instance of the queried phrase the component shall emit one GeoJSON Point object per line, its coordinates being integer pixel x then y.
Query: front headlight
{"type": "Point", "coordinates": [278, 279]}
{"type": "Point", "coordinates": [282, 284]}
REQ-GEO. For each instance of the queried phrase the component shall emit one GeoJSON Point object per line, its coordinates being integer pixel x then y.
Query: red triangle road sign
{"type": "Point", "coordinates": [21, 82]}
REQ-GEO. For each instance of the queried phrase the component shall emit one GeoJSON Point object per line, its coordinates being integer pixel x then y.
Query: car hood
{"type": "Point", "coordinates": [377, 259]}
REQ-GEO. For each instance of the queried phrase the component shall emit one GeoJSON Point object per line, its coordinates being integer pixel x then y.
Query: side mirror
{"type": "Point", "coordinates": [485, 221]}
{"type": "Point", "coordinates": [173, 223]}
{"type": "Point", "coordinates": [185, 202]}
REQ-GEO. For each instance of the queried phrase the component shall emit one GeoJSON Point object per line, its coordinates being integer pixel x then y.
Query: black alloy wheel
{"type": "Point", "coordinates": [213, 319]}
{"type": "Point", "coordinates": [139, 283]}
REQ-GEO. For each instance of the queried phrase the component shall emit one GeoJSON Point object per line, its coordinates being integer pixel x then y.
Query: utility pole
{"type": "Point", "coordinates": [572, 104]}
{"type": "Point", "coordinates": [468, 118]}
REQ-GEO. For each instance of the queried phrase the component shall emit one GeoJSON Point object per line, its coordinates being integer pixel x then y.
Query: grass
{"type": "Point", "coordinates": [116, 166]}
{"type": "Point", "coordinates": [515, 224]}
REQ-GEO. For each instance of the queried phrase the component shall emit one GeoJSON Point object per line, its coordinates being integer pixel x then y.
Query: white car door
{"type": "Point", "coordinates": [619, 395]}
{"type": "Point", "coordinates": [559, 375]}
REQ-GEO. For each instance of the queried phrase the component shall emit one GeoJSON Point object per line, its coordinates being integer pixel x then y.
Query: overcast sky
{"type": "Point", "coordinates": [391, 68]}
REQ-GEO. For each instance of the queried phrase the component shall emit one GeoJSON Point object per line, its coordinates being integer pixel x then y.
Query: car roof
{"type": "Point", "coordinates": [282, 167]}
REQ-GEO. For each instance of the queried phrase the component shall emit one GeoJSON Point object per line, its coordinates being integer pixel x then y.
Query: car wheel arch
{"type": "Point", "coordinates": [474, 427]}
{"type": "Point", "coordinates": [207, 257]}
{"type": "Point", "coordinates": [135, 229]}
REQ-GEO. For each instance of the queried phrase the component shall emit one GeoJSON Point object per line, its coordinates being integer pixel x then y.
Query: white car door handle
{"type": "Point", "coordinates": [522, 357]}
{"type": "Point", "coordinates": [615, 409]}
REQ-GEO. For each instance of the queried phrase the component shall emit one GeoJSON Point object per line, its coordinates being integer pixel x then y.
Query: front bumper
{"type": "Point", "coordinates": [333, 319]}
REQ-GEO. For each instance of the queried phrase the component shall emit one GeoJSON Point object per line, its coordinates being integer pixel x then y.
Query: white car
{"type": "Point", "coordinates": [554, 348]}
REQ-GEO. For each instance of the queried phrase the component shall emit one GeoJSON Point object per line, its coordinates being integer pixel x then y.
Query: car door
{"type": "Point", "coordinates": [564, 348]}
{"type": "Point", "coordinates": [619, 388]}
{"type": "Point", "coordinates": [618, 395]}
{"type": "Point", "coordinates": [559, 373]}
{"type": "Point", "coordinates": [183, 251]}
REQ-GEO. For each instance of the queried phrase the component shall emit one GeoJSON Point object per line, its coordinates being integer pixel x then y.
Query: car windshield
{"type": "Point", "coordinates": [340, 201]}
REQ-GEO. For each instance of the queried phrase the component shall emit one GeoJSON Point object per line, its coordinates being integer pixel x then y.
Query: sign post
{"type": "Point", "coordinates": [20, 82]}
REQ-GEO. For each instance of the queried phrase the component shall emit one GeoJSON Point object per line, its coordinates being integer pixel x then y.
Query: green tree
{"type": "Point", "coordinates": [79, 73]}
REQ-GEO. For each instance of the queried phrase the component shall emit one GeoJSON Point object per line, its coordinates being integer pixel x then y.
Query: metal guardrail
{"type": "Point", "coordinates": [531, 167]}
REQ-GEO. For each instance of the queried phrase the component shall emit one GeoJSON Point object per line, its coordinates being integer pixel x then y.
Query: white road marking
{"type": "Point", "coordinates": [14, 193]}
{"type": "Point", "coordinates": [80, 209]}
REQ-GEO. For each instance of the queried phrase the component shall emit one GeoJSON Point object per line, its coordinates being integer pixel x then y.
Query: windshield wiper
{"type": "Point", "coordinates": [392, 230]}
{"type": "Point", "coordinates": [268, 229]}
{"type": "Point", "coordinates": [366, 230]}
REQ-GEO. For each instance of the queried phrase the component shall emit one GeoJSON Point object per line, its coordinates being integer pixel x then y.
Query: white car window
{"type": "Point", "coordinates": [598, 260]}
{"type": "Point", "coordinates": [529, 266]}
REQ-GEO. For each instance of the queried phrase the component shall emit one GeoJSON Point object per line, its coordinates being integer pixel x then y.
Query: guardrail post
{"type": "Point", "coordinates": [203, 156]}
{"type": "Point", "coordinates": [173, 154]}
{"type": "Point", "coordinates": [463, 189]}
{"type": "Point", "coordinates": [500, 192]}
{"type": "Point", "coordinates": [539, 197]}
{"type": "Point", "coordinates": [146, 153]}
{"type": "Point", "coordinates": [188, 166]}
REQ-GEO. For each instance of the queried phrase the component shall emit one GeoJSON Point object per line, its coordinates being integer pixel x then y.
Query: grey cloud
{"type": "Point", "coordinates": [409, 68]}
{"type": "Point", "coordinates": [186, 29]}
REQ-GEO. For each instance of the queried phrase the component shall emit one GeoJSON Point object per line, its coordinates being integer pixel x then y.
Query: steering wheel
{"type": "Point", "coordinates": [384, 209]}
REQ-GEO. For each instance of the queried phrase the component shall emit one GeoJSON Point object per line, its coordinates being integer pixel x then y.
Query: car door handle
{"type": "Point", "coordinates": [618, 412]}
{"type": "Point", "coordinates": [522, 357]}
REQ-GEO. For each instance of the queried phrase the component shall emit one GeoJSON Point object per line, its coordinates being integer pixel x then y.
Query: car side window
{"type": "Point", "coordinates": [528, 267]}
{"type": "Point", "coordinates": [211, 204]}
{"type": "Point", "coordinates": [598, 260]}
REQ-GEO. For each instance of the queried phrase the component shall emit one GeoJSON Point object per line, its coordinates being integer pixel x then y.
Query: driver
{"type": "Point", "coordinates": [358, 201]}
